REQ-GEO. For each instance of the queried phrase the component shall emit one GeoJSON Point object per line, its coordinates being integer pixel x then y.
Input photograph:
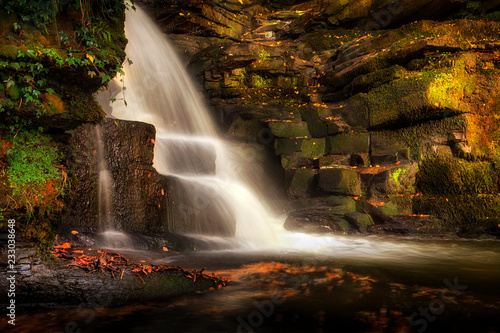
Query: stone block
{"type": "Point", "coordinates": [296, 161]}
{"type": "Point", "coordinates": [348, 143]}
{"type": "Point", "coordinates": [339, 181]}
{"type": "Point", "coordinates": [334, 160]}
{"type": "Point", "coordinates": [289, 129]}
{"type": "Point", "coordinates": [301, 181]}
{"type": "Point", "coordinates": [313, 148]}
{"type": "Point", "coordinates": [287, 147]}
{"type": "Point", "coordinates": [359, 221]}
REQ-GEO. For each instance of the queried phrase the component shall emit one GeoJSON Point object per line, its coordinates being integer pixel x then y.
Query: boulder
{"type": "Point", "coordinates": [342, 181]}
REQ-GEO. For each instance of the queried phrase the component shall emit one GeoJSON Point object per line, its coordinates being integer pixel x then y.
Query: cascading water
{"type": "Point", "coordinates": [188, 146]}
{"type": "Point", "coordinates": [104, 185]}
{"type": "Point", "coordinates": [108, 235]}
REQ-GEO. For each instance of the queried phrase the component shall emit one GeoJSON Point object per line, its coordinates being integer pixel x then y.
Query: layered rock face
{"type": "Point", "coordinates": [383, 119]}
{"type": "Point", "coordinates": [136, 193]}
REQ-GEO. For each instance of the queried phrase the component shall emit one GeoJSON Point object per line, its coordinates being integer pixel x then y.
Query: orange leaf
{"type": "Point", "coordinates": [74, 232]}
{"type": "Point", "coordinates": [63, 246]}
{"type": "Point", "coordinates": [165, 248]}
{"type": "Point", "coordinates": [153, 141]}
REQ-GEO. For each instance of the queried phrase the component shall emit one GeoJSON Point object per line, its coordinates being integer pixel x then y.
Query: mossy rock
{"type": "Point", "coordinates": [359, 221]}
{"type": "Point", "coordinates": [296, 161]}
{"type": "Point", "coordinates": [343, 181]}
{"type": "Point", "coordinates": [301, 182]}
{"type": "Point", "coordinates": [313, 148]}
{"type": "Point", "coordinates": [468, 215]}
{"type": "Point", "coordinates": [334, 160]}
{"type": "Point", "coordinates": [326, 39]}
{"type": "Point", "coordinates": [245, 128]}
{"type": "Point", "coordinates": [348, 143]}
{"type": "Point", "coordinates": [446, 176]}
{"type": "Point", "coordinates": [387, 143]}
{"type": "Point", "coordinates": [366, 82]}
{"type": "Point", "coordinates": [287, 146]}
{"type": "Point", "coordinates": [289, 129]}
{"type": "Point", "coordinates": [397, 179]}
{"type": "Point", "coordinates": [317, 127]}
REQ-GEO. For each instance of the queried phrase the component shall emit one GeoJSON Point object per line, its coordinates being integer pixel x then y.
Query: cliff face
{"type": "Point", "coordinates": [135, 191]}
{"type": "Point", "coordinates": [382, 114]}
{"type": "Point", "coordinates": [53, 56]}
{"type": "Point", "coordinates": [386, 108]}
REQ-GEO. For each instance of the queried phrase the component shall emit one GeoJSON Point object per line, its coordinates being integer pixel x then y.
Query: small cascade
{"type": "Point", "coordinates": [108, 236]}
{"type": "Point", "coordinates": [104, 186]}
{"type": "Point", "coordinates": [188, 145]}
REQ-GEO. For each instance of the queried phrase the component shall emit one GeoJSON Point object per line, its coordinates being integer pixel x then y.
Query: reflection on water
{"type": "Point", "coordinates": [401, 286]}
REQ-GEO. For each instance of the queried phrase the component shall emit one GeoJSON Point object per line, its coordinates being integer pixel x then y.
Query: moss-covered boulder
{"type": "Point", "coordinates": [463, 193]}
{"type": "Point", "coordinates": [343, 181]}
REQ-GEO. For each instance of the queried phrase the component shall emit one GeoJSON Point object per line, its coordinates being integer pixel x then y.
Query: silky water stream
{"type": "Point", "coordinates": [282, 281]}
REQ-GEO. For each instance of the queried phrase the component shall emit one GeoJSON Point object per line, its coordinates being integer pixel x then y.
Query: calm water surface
{"type": "Point", "coordinates": [352, 285]}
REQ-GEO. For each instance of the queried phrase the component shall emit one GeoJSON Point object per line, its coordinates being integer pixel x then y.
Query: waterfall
{"type": "Point", "coordinates": [108, 235]}
{"type": "Point", "coordinates": [188, 145]}
{"type": "Point", "coordinates": [104, 186]}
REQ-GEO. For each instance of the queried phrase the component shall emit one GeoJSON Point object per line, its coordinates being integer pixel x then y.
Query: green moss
{"type": "Point", "coordinates": [441, 175]}
{"type": "Point", "coordinates": [374, 79]}
{"type": "Point", "coordinates": [325, 39]}
{"type": "Point", "coordinates": [289, 129]}
{"type": "Point", "coordinates": [465, 214]}
{"type": "Point", "coordinates": [396, 172]}
{"type": "Point", "coordinates": [343, 181]}
{"type": "Point", "coordinates": [302, 182]}
{"type": "Point", "coordinates": [313, 148]}
{"type": "Point", "coordinates": [36, 188]}
{"type": "Point", "coordinates": [465, 194]}
{"type": "Point", "coordinates": [348, 143]}
{"type": "Point", "coordinates": [285, 146]}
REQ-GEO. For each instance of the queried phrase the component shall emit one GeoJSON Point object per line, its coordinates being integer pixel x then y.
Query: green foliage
{"type": "Point", "coordinates": [32, 72]}
{"type": "Point", "coordinates": [31, 163]}
{"type": "Point", "coordinates": [263, 55]}
{"type": "Point", "coordinates": [41, 12]}
{"type": "Point", "coordinates": [259, 81]}
{"type": "Point", "coordinates": [38, 13]}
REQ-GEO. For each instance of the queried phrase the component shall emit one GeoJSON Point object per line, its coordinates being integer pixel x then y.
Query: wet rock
{"type": "Point", "coordinates": [342, 181]}
{"type": "Point", "coordinates": [136, 194]}
{"type": "Point", "coordinates": [43, 284]}
{"type": "Point", "coordinates": [289, 129]}
{"type": "Point", "coordinates": [359, 221]}
{"type": "Point", "coordinates": [348, 143]}
{"type": "Point", "coordinates": [319, 222]}
{"type": "Point", "coordinates": [301, 182]}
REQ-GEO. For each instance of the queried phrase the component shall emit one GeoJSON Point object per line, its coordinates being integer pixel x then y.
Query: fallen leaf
{"type": "Point", "coordinates": [63, 246]}
{"type": "Point", "coordinates": [74, 232]}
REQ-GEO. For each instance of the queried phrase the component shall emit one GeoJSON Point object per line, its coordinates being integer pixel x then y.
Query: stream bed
{"type": "Point", "coordinates": [357, 285]}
